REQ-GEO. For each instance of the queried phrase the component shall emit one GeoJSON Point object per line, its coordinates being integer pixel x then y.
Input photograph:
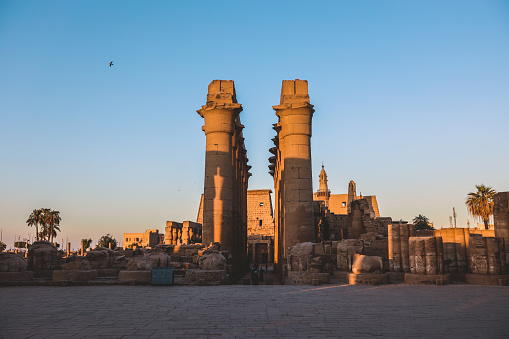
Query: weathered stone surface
{"type": "Point", "coordinates": [368, 279]}
{"type": "Point", "coordinates": [501, 217]}
{"type": "Point", "coordinates": [200, 277]}
{"type": "Point", "coordinates": [101, 257]}
{"type": "Point", "coordinates": [486, 255]}
{"type": "Point", "coordinates": [367, 264]}
{"type": "Point", "coordinates": [78, 264]}
{"type": "Point", "coordinates": [128, 253]}
{"type": "Point", "coordinates": [212, 261]}
{"type": "Point", "coordinates": [293, 150]}
{"type": "Point", "coordinates": [108, 272]}
{"type": "Point", "coordinates": [74, 275]}
{"type": "Point", "coordinates": [226, 171]}
{"type": "Point", "coordinates": [16, 276]}
{"type": "Point", "coordinates": [139, 276]}
{"type": "Point", "coordinates": [438, 279]}
{"type": "Point", "coordinates": [455, 245]}
{"type": "Point", "coordinates": [11, 262]}
{"type": "Point", "coordinates": [426, 255]}
{"type": "Point", "coordinates": [484, 279]}
{"type": "Point", "coordinates": [139, 264]}
{"type": "Point", "coordinates": [300, 256]}
{"type": "Point", "coordinates": [160, 259]}
{"type": "Point", "coordinates": [43, 255]}
{"type": "Point", "coordinates": [346, 250]}
{"type": "Point", "coordinates": [306, 278]}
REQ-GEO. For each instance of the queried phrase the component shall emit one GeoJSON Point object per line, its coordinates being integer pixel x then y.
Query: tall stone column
{"type": "Point", "coordinates": [226, 173]}
{"type": "Point", "coordinates": [220, 114]}
{"type": "Point", "coordinates": [293, 180]}
{"type": "Point", "coordinates": [501, 217]}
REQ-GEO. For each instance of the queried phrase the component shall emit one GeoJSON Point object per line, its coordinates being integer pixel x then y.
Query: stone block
{"type": "Point", "coordinates": [367, 279]}
{"type": "Point", "coordinates": [141, 277]}
{"type": "Point", "coordinates": [396, 276]}
{"type": "Point", "coordinates": [318, 249]}
{"type": "Point", "coordinates": [160, 259]}
{"type": "Point", "coordinates": [74, 275]}
{"type": "Point", "coordinates": [215, 277]}
{"type": "Point", "coordinates": [431, 279]}
{"type": "Point", "coordinates": [140, 264]}
{"type": "Point", "coordinates": [306, 278]}
{"type": "Point", "coordinates": [367, 264]}
{"type": "Point", "coordinates": [108, 272]}
{"type": "Point", "coordinates": [43, 256]}
{"type": "Point", "coordinates": [340, 275]}
{"type": "Point", "coordinates": [16, 276]}
{"type": "Point", "coordinates": [485, 279]}
{"type": "Point", "coordinates": [212, 261]}
{"type": "Point", "coordinates": [11, 262]}
{"type": "Point", "coordinates": [44, 274]}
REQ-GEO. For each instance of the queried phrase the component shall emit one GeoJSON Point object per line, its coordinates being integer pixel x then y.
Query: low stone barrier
{"type": "Point", "coordinates": [16, 276]}
{"type": "Point", "coordinates": [141, 277]}
{"type": "Point", "coordinates": [74, 275]}
{"type": "Point", "coordinates": [306, 278]}
{"type": "Point", "coordinates": [205, 277]}
{"type": "Point", "coordinates": [368, 279]}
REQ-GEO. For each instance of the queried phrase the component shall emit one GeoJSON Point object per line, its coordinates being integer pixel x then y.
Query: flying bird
{"type": "Point", "coordinates": [111, 63]}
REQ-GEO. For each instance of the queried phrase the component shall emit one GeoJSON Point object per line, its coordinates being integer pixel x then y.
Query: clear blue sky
{"type": "Point", "coordinates": [411, 99]}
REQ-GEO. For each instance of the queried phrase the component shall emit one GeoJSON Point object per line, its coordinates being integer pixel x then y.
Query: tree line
{"type": "Point", "coordinates": [47, 220]}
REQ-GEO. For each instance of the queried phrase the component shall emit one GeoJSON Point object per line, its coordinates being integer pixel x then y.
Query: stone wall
{"type": "Point", "coordinates": [260, 218]}
{"type": "Point", "coordinates": [501, 217]}
{"type": "Point", "coordinates": [486, 255]}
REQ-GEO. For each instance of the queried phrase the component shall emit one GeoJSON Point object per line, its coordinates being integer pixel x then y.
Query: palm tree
{"type": "Point", "coordinates": [54, 223]}
{"type": "Point", "coordinates": [46, 220]}
{"type": "Point", "coordinates": [422, 223]}
{"type": "Point", "coordinates": [51, 222]}
{"type": "Point", "coordinates": [35, 219]}
{"type": "Point", "coordinates": [480, 203]}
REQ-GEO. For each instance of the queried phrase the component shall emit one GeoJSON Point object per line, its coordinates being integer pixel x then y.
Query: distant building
{"type": "Point", "coordinates": [339, 203]}
{"type": "Point", "coordinates": [260, 227]}
{"type": "Point", "coordinates": [148, 239]}
{"type": "Point", "coordinates": [331, 211]}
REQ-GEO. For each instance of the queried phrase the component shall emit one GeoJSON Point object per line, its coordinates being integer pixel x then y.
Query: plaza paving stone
{"type": "Point", "coordinates": [333, 311]}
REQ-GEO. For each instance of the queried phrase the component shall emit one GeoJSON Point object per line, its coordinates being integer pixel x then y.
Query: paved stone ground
{"type": "Point", "coordinates": [453, 311]}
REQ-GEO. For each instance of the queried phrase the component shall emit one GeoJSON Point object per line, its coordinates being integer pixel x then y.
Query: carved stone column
{"type": "Point", "coordinates": [293, 180]}
{"type": "Point", "coordinates": [220, 187]}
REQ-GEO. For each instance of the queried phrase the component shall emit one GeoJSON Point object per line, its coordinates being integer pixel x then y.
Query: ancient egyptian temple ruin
{"type": "Point", "coordinates": [306, 237]}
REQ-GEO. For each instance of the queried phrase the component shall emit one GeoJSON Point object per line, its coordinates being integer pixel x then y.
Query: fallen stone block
{"type": "Point", "coordinates": [368, 279]}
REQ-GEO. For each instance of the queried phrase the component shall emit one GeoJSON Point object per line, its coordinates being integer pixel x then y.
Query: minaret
{"type": "Point", "coordinates": [323, 181]}
{"type": "Point", "coordinates": [352, 194]}
{"type": "Point", "coordinates": [323, 192]}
